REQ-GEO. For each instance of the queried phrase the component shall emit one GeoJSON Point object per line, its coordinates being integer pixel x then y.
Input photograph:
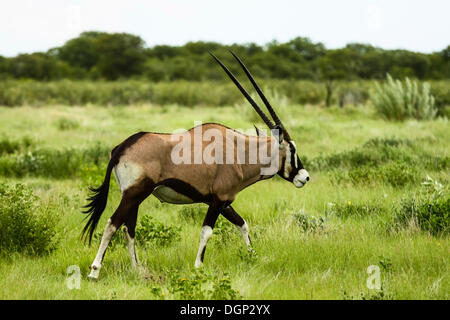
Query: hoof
{"type": "Point", "coordinates": [92, 278]}
{"type": "Point", "coordinates": [93, 275]}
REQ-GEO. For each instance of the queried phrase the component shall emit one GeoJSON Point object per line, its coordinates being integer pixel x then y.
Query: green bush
{"type": "Point", "coordinates": [309, 223]}
{"type": "Point", "coordinates": [149, 231]}
{"type": "Point", "coordinates": [397, 100]}
{"type": "Point", "coordinates": [441, 93]}
{"type": "Point", "coordinates": [25, 226]}
{"type": "Point", "coordinates": [223, 231]}
{"type": "Point", "coordinates": [429, 210]}
{"type": "Point", "coordinates": [8, 146]}
{"type": "Point", "coordinates": [201, 285]}
{"type": "Point", "coordinates": [381, 294]}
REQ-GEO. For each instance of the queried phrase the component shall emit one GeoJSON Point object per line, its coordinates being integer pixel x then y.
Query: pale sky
{"type": "Point", "coordinates": [38, 25]}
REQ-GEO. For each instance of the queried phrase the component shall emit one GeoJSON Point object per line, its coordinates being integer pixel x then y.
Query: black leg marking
{"type": "Point", "coordinates": [231, 215]}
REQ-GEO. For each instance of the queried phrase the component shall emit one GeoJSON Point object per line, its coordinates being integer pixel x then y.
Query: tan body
{"type": "Point", "coordinates": [150, 158]}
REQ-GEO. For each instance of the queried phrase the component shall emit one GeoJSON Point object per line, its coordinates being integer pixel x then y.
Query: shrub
{"type": "Point", "coordinates": [439, 90]}
{"type": "Point", "coordinates": [148, 232]}
{"type": "Point", "coordinates": [223, 231]}
{"type": "Point", "coordinates": [11, 146]}
{"type": "Point", "coordinates": [151, 231]}
{"type": "Point", "coordinates": [429, 210]}
{"type": "Point", "coordinates": [25, 226]}
{"type": "Point", "coordinates": [396, 100]}
{"type": "Point", "coordinates": [382, 294]}
{"type": "Point", "coordinates": [249, 256]}
{"type": "Point", "coordinates": [308, 223]}
{"type": "Point", "coordinates": [399, 174]}
{"type": "Point", "coordinates": [201, 285]}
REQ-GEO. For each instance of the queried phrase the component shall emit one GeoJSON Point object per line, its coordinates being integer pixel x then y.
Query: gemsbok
{"type": "Point", "coordinates": [209, 164]}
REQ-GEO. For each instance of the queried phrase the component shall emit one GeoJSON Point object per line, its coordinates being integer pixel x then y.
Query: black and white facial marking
{"type": "Point", "coordinates": [291, 167]}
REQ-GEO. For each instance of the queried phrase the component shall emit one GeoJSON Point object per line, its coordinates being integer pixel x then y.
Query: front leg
{"type": "Point", "coordinates": [207, 230]}
{"type": "Point", "coordinates": [231, 215]}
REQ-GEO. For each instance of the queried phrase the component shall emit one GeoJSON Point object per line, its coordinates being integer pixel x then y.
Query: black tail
{"type": "Point", "coordinates": [97, 204]}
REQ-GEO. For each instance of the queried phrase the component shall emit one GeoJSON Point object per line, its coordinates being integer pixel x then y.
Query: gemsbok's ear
{"type": "Point", "coordinates": [259, 132]}
{"type": "Point", "coordinates": [277, 132]}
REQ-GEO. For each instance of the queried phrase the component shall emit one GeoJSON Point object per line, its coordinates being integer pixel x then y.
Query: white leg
{"type": "Point", "coordinates": [244, 231]}
{"type": "Point", "coordinates": [110, 229]}
{"type": "Point", "coordinates": [204, 237]}
{"type": "Point", "coordinates": [131, 248]}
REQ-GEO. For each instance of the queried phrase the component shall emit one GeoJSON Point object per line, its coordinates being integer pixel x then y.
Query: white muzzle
{"type": "Point", "coordinates": [301, 178]}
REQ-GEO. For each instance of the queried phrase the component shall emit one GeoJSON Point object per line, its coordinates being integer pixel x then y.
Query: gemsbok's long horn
{"type": "Point", "coordinates": [263, 98]}
{"type": "Point", "coordinates": [246, 95]}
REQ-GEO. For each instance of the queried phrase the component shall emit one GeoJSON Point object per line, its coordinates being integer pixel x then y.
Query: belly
{"type": "Point", "coordinates": [167, 194]}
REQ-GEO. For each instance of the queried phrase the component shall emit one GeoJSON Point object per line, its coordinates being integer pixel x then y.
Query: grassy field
{"type": "Point", "coordinates": [311, 243]}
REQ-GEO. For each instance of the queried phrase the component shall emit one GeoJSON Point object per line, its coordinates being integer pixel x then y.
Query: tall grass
{"type": "Point", "coordinates": [400, 100]}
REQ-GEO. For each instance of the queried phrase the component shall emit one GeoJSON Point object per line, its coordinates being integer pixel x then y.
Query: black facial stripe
{"type": "Point", "coordinates": [283, 163]}
{"type": "Point", "coordinates": [293, 154]}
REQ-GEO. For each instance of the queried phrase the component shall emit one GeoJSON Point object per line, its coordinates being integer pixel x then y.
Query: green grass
{"type": "Point", "coordinates": [291, 262]}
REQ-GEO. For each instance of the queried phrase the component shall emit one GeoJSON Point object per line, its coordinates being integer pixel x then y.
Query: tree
{"type": "Point", "coordinates": [39, 66]}
{"type": "Point", "coordinates": [306, 48]}
{"type": "Point", "coordinates": [119, 55]}
{"type": "Point", "coordinates": [81, 52]}
{"type": "Point", "coordinates": [337, 65]}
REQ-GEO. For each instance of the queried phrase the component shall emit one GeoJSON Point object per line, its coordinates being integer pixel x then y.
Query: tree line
{"type": "Point", "coordinates": [113, 56]}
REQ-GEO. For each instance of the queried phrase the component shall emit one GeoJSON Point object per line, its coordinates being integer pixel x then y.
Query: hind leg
{"type": "Point", "coordinates": [111, 227]}
{"type": "Point", "coordinates": [125, 213]}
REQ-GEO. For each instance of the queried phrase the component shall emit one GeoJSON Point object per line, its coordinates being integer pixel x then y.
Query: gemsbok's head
{"type": "Point", "coordinates": [291, 168]}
